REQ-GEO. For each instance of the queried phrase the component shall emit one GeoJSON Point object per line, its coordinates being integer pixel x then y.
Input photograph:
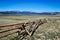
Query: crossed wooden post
{"type": "Point", "coordinates": [34, 26]}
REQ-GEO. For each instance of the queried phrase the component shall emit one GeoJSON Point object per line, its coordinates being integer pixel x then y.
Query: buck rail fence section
{"type": "Point", "coordinates": [22, 29]}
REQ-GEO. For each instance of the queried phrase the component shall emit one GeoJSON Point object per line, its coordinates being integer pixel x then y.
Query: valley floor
{"type": "Point", "coordinates": [47, 31]}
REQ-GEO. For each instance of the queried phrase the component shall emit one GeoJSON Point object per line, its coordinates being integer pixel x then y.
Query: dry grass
{"type": "Point", "coordinates": [47, 31]}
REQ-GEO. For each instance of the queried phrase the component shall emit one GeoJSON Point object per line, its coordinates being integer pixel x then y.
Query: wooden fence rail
{"type": "Point", "coordinates": [23, 29]}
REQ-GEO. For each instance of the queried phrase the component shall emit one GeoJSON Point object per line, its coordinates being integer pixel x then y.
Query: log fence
{"type": "Point", "coordinates": [22, 29]}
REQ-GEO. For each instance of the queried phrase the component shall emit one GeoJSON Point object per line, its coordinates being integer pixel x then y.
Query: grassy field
{"type": "Point", "coordinates": [47, 31]}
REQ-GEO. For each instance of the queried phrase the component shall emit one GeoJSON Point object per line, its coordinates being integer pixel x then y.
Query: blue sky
{"type": "Point", "coordinates": [30, 5]}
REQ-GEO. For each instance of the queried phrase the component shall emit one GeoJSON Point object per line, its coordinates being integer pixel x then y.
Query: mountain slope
{"type": "Point", "coordinates": [27, 12]}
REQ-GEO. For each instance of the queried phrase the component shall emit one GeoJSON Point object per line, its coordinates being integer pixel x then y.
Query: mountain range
{"type": "Point", "coordinates": [27, 12]}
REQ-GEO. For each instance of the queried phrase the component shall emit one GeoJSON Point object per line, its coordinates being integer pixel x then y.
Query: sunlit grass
{"type": "Point", "coordinates": [46, 31]}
